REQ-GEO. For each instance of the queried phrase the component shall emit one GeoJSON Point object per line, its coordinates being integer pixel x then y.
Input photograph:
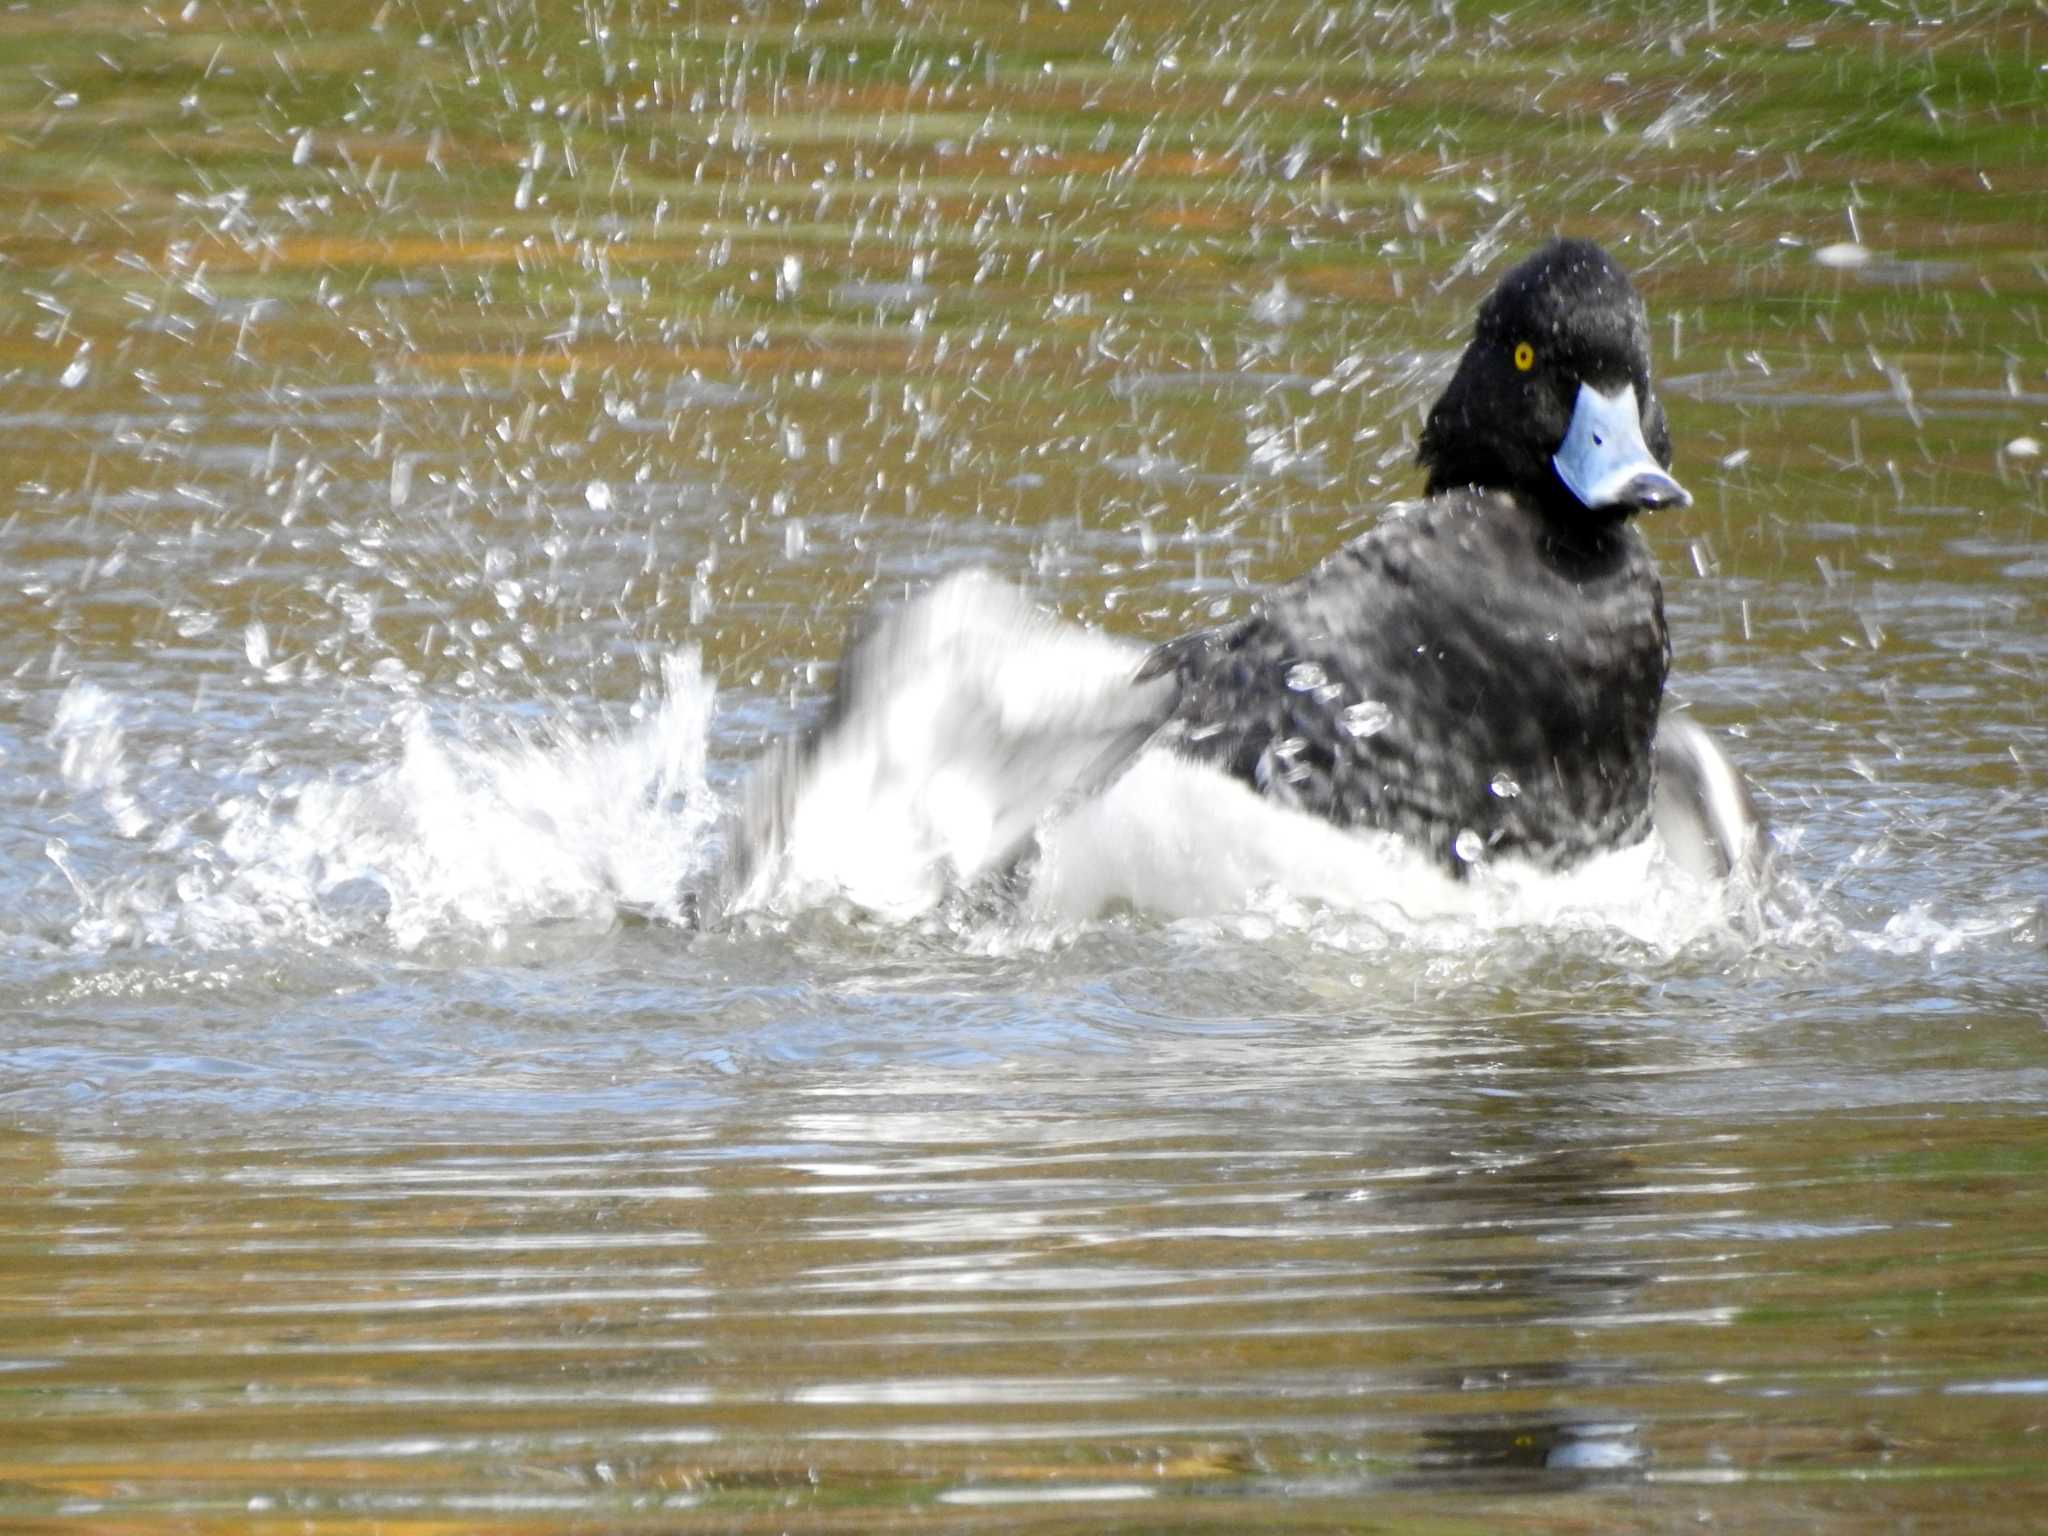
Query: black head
{"type": "Point", "coordinates": [1552, 398]}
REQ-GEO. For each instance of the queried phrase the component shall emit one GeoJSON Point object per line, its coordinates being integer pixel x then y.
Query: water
{"type": "Point", "coordinates": [443, 447]}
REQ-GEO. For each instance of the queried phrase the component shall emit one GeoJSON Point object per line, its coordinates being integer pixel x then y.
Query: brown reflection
{"type": "Point", "coordinates": [1534, 1204]}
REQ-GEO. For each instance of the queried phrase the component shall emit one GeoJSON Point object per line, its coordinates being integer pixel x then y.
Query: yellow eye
{"type": "Point", "coordinates": [1525, 356]}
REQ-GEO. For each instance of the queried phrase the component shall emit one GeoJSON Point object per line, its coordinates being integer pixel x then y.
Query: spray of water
{"type": "Point", "coordinates": [470, 832]}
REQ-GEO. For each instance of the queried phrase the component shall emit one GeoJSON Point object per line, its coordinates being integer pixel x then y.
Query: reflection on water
{"type": "Point", "coordinates": [440, 446]}
{"type": "Point", "coordinates": [1068, 1295]}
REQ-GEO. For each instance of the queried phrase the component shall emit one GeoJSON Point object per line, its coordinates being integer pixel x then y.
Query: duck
{"type": "Point", "coordinates": [1479, 674]}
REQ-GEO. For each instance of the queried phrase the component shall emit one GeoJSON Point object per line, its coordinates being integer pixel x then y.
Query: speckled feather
{"type": "Point", "coordinates": [1457, 669]}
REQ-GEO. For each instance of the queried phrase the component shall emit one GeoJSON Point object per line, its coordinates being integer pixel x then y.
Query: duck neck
{"type": "Point", "coordinates": [1583, 544]}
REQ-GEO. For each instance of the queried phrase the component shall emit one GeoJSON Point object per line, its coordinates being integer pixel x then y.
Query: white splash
{"type": "Point", "coordinates": [1917, 931]}
{"type": "Point", "coordinates": [92, 754]}
{"type": "Point", "coordinates": [460, 837]}
{"type": "Point", "coordinates": [1182, 842]}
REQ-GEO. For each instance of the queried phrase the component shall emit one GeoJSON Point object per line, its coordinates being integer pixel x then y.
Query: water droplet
{"type": "Point", "coordinates": [1305, 676]}
{"type": "Point", "coordinates": [1368, 717]}
{"type": "Point", "coordinates": [1842, 255]}
{"type": "Point", "coordinates": [1469, 845]}
{"type": "Point", "coordinates": [1276, 306]}
{"type": "Point", "coordinates": [1286, 753]}
{"type": "Point", "coordinates": [1503, 787]}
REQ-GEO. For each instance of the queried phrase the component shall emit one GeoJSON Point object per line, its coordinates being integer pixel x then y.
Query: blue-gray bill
{"type": "Point", "coordinates": [1604, 460]}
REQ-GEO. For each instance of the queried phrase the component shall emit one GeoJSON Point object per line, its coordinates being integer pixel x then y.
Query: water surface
{"type": "Point", "coordinates": [442, 445]}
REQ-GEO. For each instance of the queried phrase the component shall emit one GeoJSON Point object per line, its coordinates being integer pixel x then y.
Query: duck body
{"type": "Point", "coordinates": [1460, 675]}
{"type": "Point", "coordinates": [1480, 674]}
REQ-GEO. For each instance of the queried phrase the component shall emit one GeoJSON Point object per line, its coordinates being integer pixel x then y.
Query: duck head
{"type": "Point", "coordinates": [1552, 398]}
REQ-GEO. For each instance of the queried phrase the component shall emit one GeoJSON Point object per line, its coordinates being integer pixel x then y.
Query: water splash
{"type": "Point", "coordinates": [983, 766]}
{"type": "Point", "coordinates": [468, 833]}
{"type": "Point", "coordinates": [475, 836]}
{"type": "Point", "coordinates": [1209, 855]}
{"type": "Point", "coordinates": [93, 755]}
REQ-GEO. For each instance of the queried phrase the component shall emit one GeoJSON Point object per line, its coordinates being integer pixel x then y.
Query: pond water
{"type": "Point", "coordinates": [443, 443]}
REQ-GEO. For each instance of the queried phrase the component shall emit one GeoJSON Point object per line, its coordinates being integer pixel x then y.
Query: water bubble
{"type": "Point", "coordinates": [1305, 676]}
{"type": "Point", "coordinates": [1503, 787]}
{"type": "Point", "coordinates": [1368, 717]}
{"type": "Point", "coordinates": [1468, 846]}
{"type": "Point", "coordinates": [75, 374]}
{"type": "Point", "coordinates": [597, 495]}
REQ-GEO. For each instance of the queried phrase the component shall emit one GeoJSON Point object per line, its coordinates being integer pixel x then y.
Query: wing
{"type": "Point", "coordinates": [1704, 812]}
{"type": "Point", "coordinates": [958, 721]}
